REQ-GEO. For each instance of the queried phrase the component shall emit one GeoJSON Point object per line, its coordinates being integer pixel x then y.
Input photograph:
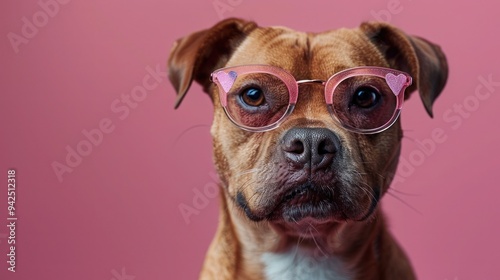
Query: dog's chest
{"type": "Point", "coordinates": [299, 264]}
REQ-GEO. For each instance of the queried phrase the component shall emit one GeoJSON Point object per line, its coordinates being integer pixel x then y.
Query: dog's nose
{"type": "Point", "coordinates": [314, 146]}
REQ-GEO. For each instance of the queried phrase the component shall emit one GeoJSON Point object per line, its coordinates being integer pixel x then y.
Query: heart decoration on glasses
{"type": "Point", "coordinates": [226, 80]}
{"type": "Point", "coordinates": [396, 83]}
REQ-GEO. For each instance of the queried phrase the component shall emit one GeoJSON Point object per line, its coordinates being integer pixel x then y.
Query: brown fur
{"type": "Point", "coordinates": [366, 247]}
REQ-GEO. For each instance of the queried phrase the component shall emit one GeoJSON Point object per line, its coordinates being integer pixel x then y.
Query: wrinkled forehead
{"type": "Point", "coordinates": [307, 55]}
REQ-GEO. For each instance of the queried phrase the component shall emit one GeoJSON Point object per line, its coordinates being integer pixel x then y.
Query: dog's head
{"type": "Point", "coordinates": [320, 164]}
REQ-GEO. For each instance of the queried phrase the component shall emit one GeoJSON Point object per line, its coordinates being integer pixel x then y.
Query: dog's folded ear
{"type": "Point", "coordinates": [423, 60]}
{"type": "Point", "coordinates": [195, 56]}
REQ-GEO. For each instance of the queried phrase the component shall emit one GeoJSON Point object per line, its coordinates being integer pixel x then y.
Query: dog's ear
{"type": "Point", "coordinates": [423, 60]}
{"type": "Point", "coordinates": [194, 57]}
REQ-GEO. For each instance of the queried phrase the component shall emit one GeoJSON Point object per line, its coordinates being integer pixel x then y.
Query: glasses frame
{"type": "Point", "coordinates": [293, 90]}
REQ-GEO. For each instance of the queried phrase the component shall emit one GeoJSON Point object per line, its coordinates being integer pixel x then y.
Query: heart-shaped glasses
{"type": "Point", "coordinates": [364, 99]}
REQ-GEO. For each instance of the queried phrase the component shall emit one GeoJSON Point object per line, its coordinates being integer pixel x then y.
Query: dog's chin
{"type": "Point", "coordinates": [307, 201]}
{"type": "Point", "coordinates": [307, 227]}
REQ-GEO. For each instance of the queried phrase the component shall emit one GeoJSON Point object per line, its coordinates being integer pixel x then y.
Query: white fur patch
{"type": "Point", "coordinates": [300, 264]}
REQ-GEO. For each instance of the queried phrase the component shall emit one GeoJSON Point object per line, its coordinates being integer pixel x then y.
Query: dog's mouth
{"type": "Point", "coordinates": [307, 201]}
{"type": "Point", "coordinates": [307, 211]}
{"type": "Point", "coordinates": [311, 208]}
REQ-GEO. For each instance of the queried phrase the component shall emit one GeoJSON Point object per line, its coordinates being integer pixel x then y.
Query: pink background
{"type": "Point", "coordinates": [119, 208]}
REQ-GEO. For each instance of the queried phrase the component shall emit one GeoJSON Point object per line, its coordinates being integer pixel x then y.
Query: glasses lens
{"type": "Point", "coordinates": [257, 99]}
{"type": "Point", "coordinates": [364, 102]}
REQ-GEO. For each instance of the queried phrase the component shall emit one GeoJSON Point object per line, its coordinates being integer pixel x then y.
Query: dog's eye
{"type": "Point", "coordinates": [253, 96]}
{"type": "Point", "coordinates": [366, 97]}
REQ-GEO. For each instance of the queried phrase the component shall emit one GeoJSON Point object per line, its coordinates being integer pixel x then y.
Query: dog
{"type": "Point", "coordinates": [306, 141]}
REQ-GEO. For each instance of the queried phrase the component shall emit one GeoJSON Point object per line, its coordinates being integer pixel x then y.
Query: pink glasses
{"type": "Point", "coordinates": [363, 99]}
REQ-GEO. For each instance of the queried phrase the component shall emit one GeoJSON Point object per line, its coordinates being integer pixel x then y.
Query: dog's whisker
{"type": "Point", "coordinates": [404, 202]}
{"type": "Point", "coordinates": [410, 138]}
{"type": "Point", "coordinates": [246, 184]}
{"type": "Point", "coordinates": [363, 185]}
{"type": "Point", "coordinates": [367, 191]}
{"type": "Point", "coordinates": [311, 227]}
{"type": "Point", "coordinates": [296, 252]}
{"type": "Point", "coordinates": [249, 171]}
{"type": "Point", "coordinates": [185, 131]}
{"type": "Point", "coordinates": [403, 193]}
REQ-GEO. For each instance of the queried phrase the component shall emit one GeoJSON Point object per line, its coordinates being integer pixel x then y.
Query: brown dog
{"type": "Point", "coordinates": [299, 198]}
